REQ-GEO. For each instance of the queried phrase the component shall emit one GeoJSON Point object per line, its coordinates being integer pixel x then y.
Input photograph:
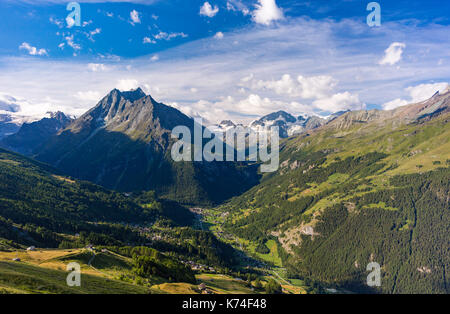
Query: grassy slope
{"type": "Point", "coordinates": [21, 277]}
{"type": "Point", "coordinates": [43, 271]}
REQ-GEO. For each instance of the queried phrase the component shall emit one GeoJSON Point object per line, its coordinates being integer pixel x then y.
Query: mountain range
{"type": "Point", "coordinates": [288, 124]}
{"type": "Point", "coordinates": [32, 135]}
{"type": "Point", "coordinates": [358, 187]}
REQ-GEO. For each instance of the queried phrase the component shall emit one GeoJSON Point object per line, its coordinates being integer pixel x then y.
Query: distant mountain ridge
{"type": "Point", "coordinates": [32, 135]}
{"type": "Point", "coordinates": [288, 124]}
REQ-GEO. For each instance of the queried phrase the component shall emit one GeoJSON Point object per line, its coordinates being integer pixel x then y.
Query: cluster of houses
{"type": "Point", "coordinates": [199, 267]}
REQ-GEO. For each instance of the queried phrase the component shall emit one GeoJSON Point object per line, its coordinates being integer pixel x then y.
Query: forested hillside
{"type": "Point", "coordinates": [41, 207]}
{"type": "Point", "coordinates": [363, 188]}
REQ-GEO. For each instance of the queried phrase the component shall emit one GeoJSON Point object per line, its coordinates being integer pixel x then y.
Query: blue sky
{"type": "Point", "coordinates": [227, 59]}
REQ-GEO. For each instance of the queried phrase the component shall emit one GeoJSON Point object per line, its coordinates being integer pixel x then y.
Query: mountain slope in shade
{"type": "Point", "coordinates": [32, 135]}
{"type": "Point", "coordinates": [124, 143]}
{"type": "Point", "coordinates": [7, 126]}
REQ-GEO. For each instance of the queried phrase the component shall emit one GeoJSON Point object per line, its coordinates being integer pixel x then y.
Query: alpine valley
{"type": "Point", "coordinates": [102, 190]}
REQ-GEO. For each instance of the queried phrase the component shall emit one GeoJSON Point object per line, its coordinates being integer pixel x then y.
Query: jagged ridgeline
{"type": "Point", "coordinates": [370, 186]}
{"type": "Point", "coordinates": [124, 143]}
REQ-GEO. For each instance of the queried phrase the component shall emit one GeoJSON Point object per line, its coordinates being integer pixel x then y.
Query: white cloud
{"type": "Point", "coordinates": [92, 33]}
{"type": "Point", "coordinates": [393, 54]}
{"type": "Point", "coordinates": [86, 23]}
{"type": "Point", "coordinates": [154, 58]}
{"type": "Point", "coordinates": [394, 104]}
{"type": "Point", "coordinates": [71, 43]}
{"type": "Point", "coordinates": [96, 67]}
{"type": "Point", "coordinates": [285, 86]}
{"type": "Point", "coordinates": [313, 87]}
{"type": "Point", "coordinates": [266, 12]}
{"type": "Point", "coordinates": [207, 10]}
{"type": "Point", "coordinates": [218, 35]}
{"type": "Point", "coordinates": [169, 36]}
{"type": "Point", "coordinates": [424, 91]}
{"type": "Point", "coordinates": [237, 5]}
{"type": "Point", "coordinates": [95, 31]}
{"type": "Point", "coordinates": [338, 102]}
{"type": "Point", "coordinates": [33, 50]}
{"type": "Point", "coordinates": [56, 22]}
{"type": "Point", "coordinates": [148, 40]}
{"type": "Point", "coordinates": [417, 94]}
{"type": "Point", "coordinates": [89, 96]}
{"type": "Point", "coordinates": [127, 84]}
{"type": "Point", "coordinates": [134, 16]}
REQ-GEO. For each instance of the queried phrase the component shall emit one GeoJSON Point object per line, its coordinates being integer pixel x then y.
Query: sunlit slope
{"type": "Point", "coordinates": [369, 186]}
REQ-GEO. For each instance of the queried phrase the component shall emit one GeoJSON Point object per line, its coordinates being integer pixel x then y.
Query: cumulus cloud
{"type": "Point", "coordinates": [312, 87]}
{"type": "Point", "coordinates": [286, 85]}
{"type": "Point", "coordinates": [393, 54]}
{"type": "Point", "coordinates": [148, 40]}
{"type": "Point", "coordinates": [320, 89]}
{"type": "Point", "coordinates": [338, 102]}
{"type": "Point", "coordinates": [135, 18]}
{"type": "Point", "coordinates": [127, 84]}
{"type": "Point", "coordinates": [394, 104]}
{"type": "Point", "coordinates": [154, 58]}
{"type": "Point", "coordinates": [218, 35]}
{"type": "Point", "coordinates": [207, 10]}
{"type": "Point", "coordinates": [33, 50]}
{"type": "Point", "coordinates": [417, 94]}
{"type": "Point", "coordinates": [316, 86]}
{"type": "Point", "coordinates": [266, 12]}
{"type": "Point", "coordinates": [237, 6]}
{"type": "Point", "coordinates": [249, 108]}
{"type": "Point", "coordinates": [424, 91]}
{"type": "Point", "coordinates": [70, 41]}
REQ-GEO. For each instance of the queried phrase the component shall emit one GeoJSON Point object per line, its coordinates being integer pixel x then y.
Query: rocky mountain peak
{"type": "Point", "coordinates": [227, 123]}
{"type": "Point", "coordinates": [134, 94]}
